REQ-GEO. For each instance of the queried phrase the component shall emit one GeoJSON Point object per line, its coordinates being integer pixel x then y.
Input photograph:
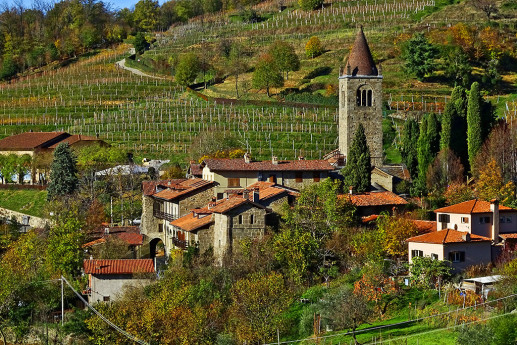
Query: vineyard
{"type": "Point", "coordinates": [157, 118]}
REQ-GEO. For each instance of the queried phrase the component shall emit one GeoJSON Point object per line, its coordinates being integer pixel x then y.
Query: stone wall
{"type": "Point", "coordinates": [112, 286]}
{"type": "Point", "coordinates": [350, 115]}
{"type": "Point", "coordinates": [34, 222]}
{"type": "Point", "coordinates": [149, 225]}
{"type": "Point", "coordinates": [198, 200]}
{"type": "Point", "coordinates": [246, 230]}
{"type": "Point", "coordinates": [205, 238]}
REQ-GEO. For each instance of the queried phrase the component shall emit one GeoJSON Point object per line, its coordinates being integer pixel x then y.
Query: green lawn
{"type": "Point", "coordinates": [26, 201]}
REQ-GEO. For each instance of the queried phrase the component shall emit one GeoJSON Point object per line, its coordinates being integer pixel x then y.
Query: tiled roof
{"type": "Point", "coordinates": [471, 206]}
{"type": "Point", "coordinates": [173, 189]}
{"type": "Point", "coordinates": [192, 222]}
{"type": "Point", "coordinates": [508, 236]}
{"type": "Point", "coordinates": [374, 199]}
{"type": "Point", "coordinates": [118, 266]}
{"type": "Point", "coordinates": [424, 226]}
{"type": "Point", "coordinates": [397, 170]}
{"type": "Point", "coordinates": [196, 170]}
{"type": "Point", "coordinates": [369, 219]}
{"type": "Point", "coordinates": [360, 59]}
{"type": "Point", "coordinates": [446, 236]}
{"type": "Point", "coordinates": [130, 234]}
{"type": "Point", "coordinates": [31, 140]}
{"type": "Point", "coordinates": [226, 164]}
{"type": "Point", "coordinates": [71, 140]}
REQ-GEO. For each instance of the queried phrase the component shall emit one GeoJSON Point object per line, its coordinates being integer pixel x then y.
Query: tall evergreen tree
{"type": "Point", "coordinates": [424, 152]}
{"type": "Point", "coordinates": [445, 134]}
{"type": "Point", "coordinates": [358, 166]}
{"type": "Point", "coordinates": [63, 173]}
{"type": "Point", "coordinates": [474, 132]}
{"type": "Point", "coordinates": [454, 125]}
{"type": "Point", "coordinates": [433, 133]}
{"type": "Point", "coordinates": [409, 147]}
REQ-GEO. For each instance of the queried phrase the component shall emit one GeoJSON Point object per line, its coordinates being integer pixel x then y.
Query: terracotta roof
{"type": "Point", "coordinates": [196, 170]}
{"type": "Point", "coordinates": [118, 266]}
{"type": "Point", "coordinates": [73, 139]}
{"type": "Point", "coordinates": [424, 226]}
{"type": "Point", "coordinates": [397, 170]}
{"type": "Point", "coordinates": [130, 234]}
{"type": "Point", "coordinates": [447, 236]}
{"type": "Point", "coordinates": [508, 236]}
{"type": "Point", "coordinates": [172, 189]}
{"type": "Point", "coordinates": [374, 199]}
{"type": "Point", "coordinates": [226, 164]}
{"type": "Point", "coordinates": [360, 58]}
{"type": "Point", "coordinates": [192, 222]}
{"type": "Point", "coordinates": [101, 230]}
{"type": "Point", "coordinates": [266, 190]}
{"type": "Point", "coordinates": [368, 219]}
{"type": "Point", "coordinates": [472, 206]}
{"type": "Point", "coordinates": [31, 140]}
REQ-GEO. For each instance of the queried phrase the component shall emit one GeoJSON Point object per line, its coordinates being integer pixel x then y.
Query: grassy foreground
{"type": "Point", "coordinates": [27, 201]}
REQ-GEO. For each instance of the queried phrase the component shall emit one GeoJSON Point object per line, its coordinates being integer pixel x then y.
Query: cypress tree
{"type": "Point", "coordinates": [453, 134]}
{"type": "Point", "coordinates": [358, 166]}
{"type": "Point", "coordinates": [409, 147]}
{"type": "Point", "coordinates": [424, 152]}
{"type": "Point", "coordinates": [63, 173]}
{"type": "Point", "coordinates": [445, 134]}
{"type": "Point", "coordinates": [433, 133]}
{"type": "Point", "coordinates": [474, 132]}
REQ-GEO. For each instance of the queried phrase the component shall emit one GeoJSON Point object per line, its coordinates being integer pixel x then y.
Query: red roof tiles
{"type": "Point", "coordinates": [32, 140]}
{"type": "Point", "coordinates": [192, 222]}
{"type": "Point", "coordinates": [374, 199]}
{"type": "Point", "coordinates": [118, 266]}
{"type": "Point", "coordinates": [172, 189]}
{"type": "Point", "coordinates": [73, 139]}
{"type": "Point", "coordinates": [360, 59]}
{"type": "Point", "coordinates": [447, 236]}
{"type": "Point", "coordinates": [226, 164]}
{"type": "Point", "coordinates": [196, 170]}
{"type": "Point", "coordinates": [472, 206]}
{"type": "Point", "coordinates": [424, 226]}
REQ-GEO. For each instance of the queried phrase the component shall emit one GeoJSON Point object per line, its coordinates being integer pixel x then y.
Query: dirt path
{"type": "Point", "coordinates": [122, 64]}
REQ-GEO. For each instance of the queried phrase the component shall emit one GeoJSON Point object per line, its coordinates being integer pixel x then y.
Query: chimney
{"type": "Point", "coordinates": [348, 69]}
{"type": "Point", "coordinates": [301, 158]}
{"type": "Point", "coordinates": [466, 237]}
{"type": "Point", "coordinates": [351, 190]}
{"type": "Point", "coordinates": [256, 195]}
{"type": "Point", "coordinates": [107, 231]}
{"type": "Point", "coordinates": [247, 158]}
{"type": "Point", "coordinates": [274, 160]}
{"type": "Point", "coordinates": [494, 208]}
{"type": "Point", "coordinates": [246, 194]}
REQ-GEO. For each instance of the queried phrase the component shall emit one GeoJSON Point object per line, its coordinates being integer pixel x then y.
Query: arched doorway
{"type": "Point", "coordinates": [157, 252]}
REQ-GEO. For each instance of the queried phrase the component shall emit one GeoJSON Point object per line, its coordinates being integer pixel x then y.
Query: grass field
{"type": "Point", "coordinates": [26, 201]}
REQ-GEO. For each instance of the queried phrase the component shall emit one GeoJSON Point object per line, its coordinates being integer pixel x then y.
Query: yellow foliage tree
{"type": "Point", "coordinates": [490, 184]}
{"type": "Point", "coordinates": [395, 231]}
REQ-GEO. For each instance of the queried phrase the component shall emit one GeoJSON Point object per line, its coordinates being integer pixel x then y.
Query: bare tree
{"type": "Point", "coordinates": [487, 6]}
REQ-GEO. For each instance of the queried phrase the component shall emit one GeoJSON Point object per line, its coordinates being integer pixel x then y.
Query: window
{"type": "Point", "coordinates": [415, 253]}
{"type": "Point", "coordinates": [316, 176]}
{"type": "Point", "coordinates": [457, 256]}
{"type": "Point", "coordinates": [484, 220]}
{"type": "Point", "coordinates": [272, 178]}
{"type": "Point", "coordinates": [220, 196]}
{"type": "Point", "coordinates": [299, 176]}
{"type": "Point", "coordinates": [160, 227]}
{"type": "Point", "coordinates": [251, 219]}
{"type": "Point", "coordinates": [464, 220]}
{"type": "Point", "coordinates": [505, 219]}
{"type": "Point", "coordinates": [444, 218]}
{"type": "Point", "coordinates": [434, 256]}
{"type": "Point", "coordinates": [364, 96]}
{"type": "Point", "coordinates": [106, 298]}
{"type": "Point", "coordinates": [240, 218]}
{"type": "Point", "coordinates": [234, 182]}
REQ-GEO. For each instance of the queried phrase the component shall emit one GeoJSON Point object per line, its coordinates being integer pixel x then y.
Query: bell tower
{"type": "Point", "coordinates": [360, 100]}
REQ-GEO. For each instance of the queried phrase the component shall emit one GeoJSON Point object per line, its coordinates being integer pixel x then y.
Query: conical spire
{"type": "Point", "coordinates": [360, 59]}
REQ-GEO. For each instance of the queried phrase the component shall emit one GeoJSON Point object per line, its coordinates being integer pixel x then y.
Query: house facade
{"type": "Point", "coordinates": [107, 279]}
{"type": "Point", "coordinates": [239, 173]}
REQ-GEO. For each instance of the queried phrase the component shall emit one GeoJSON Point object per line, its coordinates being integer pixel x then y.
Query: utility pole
{"type": "Point", "coordinates": [62, 302]}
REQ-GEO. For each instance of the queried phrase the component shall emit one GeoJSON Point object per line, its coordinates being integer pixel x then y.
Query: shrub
{"type": "Point", "coordinates": [309, 5]}
{"type": "Point", "coordinates": [313, 47]}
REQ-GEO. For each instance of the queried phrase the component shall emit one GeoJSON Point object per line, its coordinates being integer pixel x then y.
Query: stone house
{"type": "Point", "coordinates": [461, 248]}
{"type": "Point", "coordinates": [129, 234]}
{"type": "Point", "coordinates": [392, 177]}
{"type": "Point", "coordinates": [167, 200]}
{"type": "Point", "coordinates": [239, 173]}
{"type": "Point", "coordinates": [108, 278]}
{"type": "Point", "coordinates": [40, 145]}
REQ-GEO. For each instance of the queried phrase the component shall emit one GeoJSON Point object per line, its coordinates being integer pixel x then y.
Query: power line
{"type": "Point", "coordinates": [111, 324]}
{"type": "Point", "coordinates": [393, 324]}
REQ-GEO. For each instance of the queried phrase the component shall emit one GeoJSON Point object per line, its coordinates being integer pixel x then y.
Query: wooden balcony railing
{"type": "Point", "coordinates": [164, 215]}
{"type": "Point", "coordinates": [180, 243]}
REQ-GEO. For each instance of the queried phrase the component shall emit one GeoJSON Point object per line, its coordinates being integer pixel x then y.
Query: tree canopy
{"type": "Point", "coordinates": [357, 172]}
{"type": "Point", "coordinates": [63, 173]}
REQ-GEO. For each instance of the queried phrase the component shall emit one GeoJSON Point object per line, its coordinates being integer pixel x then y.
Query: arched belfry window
{"type": "Point", "coordinates": [364, 96]}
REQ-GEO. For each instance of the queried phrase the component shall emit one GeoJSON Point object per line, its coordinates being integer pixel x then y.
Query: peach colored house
{"type": "Point", "coordinates": [461, 248]}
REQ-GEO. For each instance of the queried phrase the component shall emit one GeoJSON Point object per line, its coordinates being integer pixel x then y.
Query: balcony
{"type": "Point", "coordinates": [164, 215]}
{"type": "Point", "coordinates": [180, 243]}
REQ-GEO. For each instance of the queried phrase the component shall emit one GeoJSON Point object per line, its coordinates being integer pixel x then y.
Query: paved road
{"type": "Point", "coordinates": [122, 64]}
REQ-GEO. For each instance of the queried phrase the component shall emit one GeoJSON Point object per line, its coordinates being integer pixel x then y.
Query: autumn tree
{"type": "Point", "coordinates": [237, 64]}
{"type": "Point", "coordinates": [187, 69]}
{"type": "Point", "coordinates": [313, 48]}
{"type": "Point", "coordinates": [285, 57]}
{"type": "Point", "coordinates": [419, 54]}
{"type": "Point", "coordinates": [357, 172]}
{"type": "Point", "coordinates": [489, 7]}
{"type": "Point", "coordinates": [425, 271]}
{"type": "Point", "coordinates": [474, 135]}
{"type": "Point", "coordinates": [377, 287]}
{"type": "Point", "coordinates": [409, 147]}
{"type": "Point", "coordinates": [63, 173]}
{"type": "Point", "coordinates": [445, 169]}
{"type": "Point", "coordinates": [145, 15]}
{"type": "Point", "coordinates": [395, 231]}
{"type": "Point", "coordinates": [257, 306]}
{"type": "Point", "coordinates": [266, 74]}
{"type": "Point", "coordinates": [490, 184]}
{"type": "Point", "coordinates": [457, 66]}
{"type": "Point", "coordinates": [458, 192]}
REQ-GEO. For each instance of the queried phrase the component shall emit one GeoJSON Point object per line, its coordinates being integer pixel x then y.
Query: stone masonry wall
{"type": "Point", "coordinates": [246, 230]}
{"type": "Point", "coordinates": [197, 200]}
{"type": "Point", "coordinates": [205, 238]}
{"type": "Point", "coordinates": [149, 225]}
{"type": "Point", "coordinates": [34, 222]}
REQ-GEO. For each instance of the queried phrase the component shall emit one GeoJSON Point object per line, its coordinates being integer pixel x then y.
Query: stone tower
{"type": "Point", "coordinates": [360, 100]}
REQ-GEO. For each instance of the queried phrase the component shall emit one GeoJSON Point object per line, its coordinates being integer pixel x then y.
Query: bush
{"type": "Point", "coordinates": [309, 5]}
{"type": "Point", "coordinates": [313, 47]}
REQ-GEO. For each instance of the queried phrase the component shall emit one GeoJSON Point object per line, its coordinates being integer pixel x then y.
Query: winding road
{"type": "Point", "coordinates": [122, 64]}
